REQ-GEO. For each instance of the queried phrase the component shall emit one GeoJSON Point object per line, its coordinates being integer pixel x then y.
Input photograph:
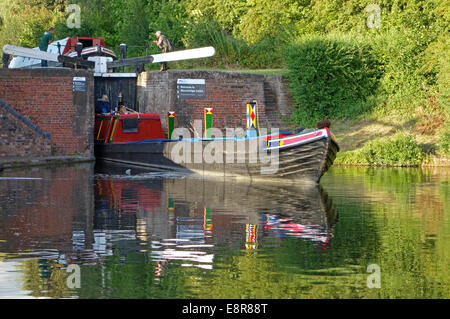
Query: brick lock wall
{"type": "Point", "coordinates": [226, 92]}
{"type": "Point", "coordinates": [45, 97]}
{"type": "Point", "coordinates": [19, 140]}
{"type": "Point", "coordinates": [278, 100]}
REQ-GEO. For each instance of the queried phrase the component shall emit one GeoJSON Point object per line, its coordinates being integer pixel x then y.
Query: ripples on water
{"type": "Point", "coordinates": [137, 234]}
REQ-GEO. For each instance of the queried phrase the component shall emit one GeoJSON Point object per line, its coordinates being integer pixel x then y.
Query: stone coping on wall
{"type": "Point", "coordinates": [17, 162]}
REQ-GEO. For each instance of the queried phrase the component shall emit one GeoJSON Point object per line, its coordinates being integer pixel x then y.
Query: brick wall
{"type": "Point", "coordinates": [19, 137]}
{"type": "Point", "coordinates": [226, 92]}
{"type": "Point", "coordinates": [278, 101]}
{"type": "Point", "coordinates": [45, 97]}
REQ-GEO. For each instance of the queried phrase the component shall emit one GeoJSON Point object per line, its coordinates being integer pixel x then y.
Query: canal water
{"type": "Point", "coordinates": [116, 232]}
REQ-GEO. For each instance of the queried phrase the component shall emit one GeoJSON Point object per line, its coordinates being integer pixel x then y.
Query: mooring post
{"type": "Point", "coordinates": [208, 121]}
{"type": "Point", "coordinates": [79, 49]}
{"type": "Point", "coordinates": [123, 51]}
{"type": "Point", "coordinates": [170, 124]}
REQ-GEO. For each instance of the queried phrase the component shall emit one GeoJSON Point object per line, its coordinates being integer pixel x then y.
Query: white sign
{"type": "Point", "coordinates": [191, 81]}
{"type": "Point", "coordinates": [79, 84]}
{"type": "Point", "coordinates": [191, 88]}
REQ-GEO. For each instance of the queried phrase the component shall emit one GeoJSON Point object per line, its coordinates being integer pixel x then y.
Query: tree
{"type": "Point", "coordinates": [24, 22]}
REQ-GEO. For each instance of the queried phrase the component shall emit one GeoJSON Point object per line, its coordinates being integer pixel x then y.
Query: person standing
{"type": "Point", "coordinates": [45, 41]}
{"type": "Point", "coordinates": [165, 45]}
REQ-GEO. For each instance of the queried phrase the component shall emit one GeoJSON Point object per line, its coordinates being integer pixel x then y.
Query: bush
{"type": "Point", "coordinates": [330, 77]}
{"type": "Point", "coordinates": [444, 144]}
{"type": "Point", "coordinates": [228, 49]}
{"type": "Point", "coordinates": [266, 53]}
{"type": "Point", "coordinates": [399, 50]}
{"type": "Point", "coordinates": [436, 70]}
{"type": "Point", "coordinates": [232, 52]}
{"type": "Point", "coordinates": [402, 150]}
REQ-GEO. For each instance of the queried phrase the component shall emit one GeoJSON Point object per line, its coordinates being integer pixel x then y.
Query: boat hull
{"type": "Point", "coordinates": [246, 158]}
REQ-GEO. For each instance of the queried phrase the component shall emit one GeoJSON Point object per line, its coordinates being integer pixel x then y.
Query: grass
{"type": "Point", "coordinates": [398, 149]}
{"type": "Point", "coordinates": [356, 133]}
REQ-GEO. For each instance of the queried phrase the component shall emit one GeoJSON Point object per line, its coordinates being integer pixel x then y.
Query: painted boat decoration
{"type": "Point", "coordinates": [94, 51]}
{"type": "Point", "coordinates": [138, 139]}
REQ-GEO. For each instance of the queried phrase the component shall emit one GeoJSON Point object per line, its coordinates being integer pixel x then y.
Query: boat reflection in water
{"type": "Point", "coordinates": [109, 221]}
{"type": "Point", "coordinates": [185, 219]}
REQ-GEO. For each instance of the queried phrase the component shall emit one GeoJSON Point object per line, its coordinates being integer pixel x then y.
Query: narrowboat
{"type": "Point", "coordinates": [90, 46]}
{"type": "Point", "coordinates": [138, 139]}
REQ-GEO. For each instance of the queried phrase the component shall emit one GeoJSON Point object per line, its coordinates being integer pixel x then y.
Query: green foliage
{"type": "Point", "coordinates": [267, 18]}
{"type": "Point", "coordinates": [24, 22]}
{"type": "Point", "coordinates": [232, 52]}
{"type": "Point", "coordinates": [436, 69]}
{"type": "Point", "coordinates": [401, 150]}
{"type": "Point", "coordinates": [331, 77]}
{"type": "Point", "coordinates": [133, 22]}
{"type": "Point", "coordinates": [227, 13]}
{"type": "Point", "coordinates": [444, 143]}
{"type": "Point", "coordinates": [228, 48]}
{"type": "Point", "coordinates": [99, 18]}
{"type": "Point", "coordinates": [398, 51]}
{"type": "Point", "coordinates": [266, 52]}
{"type": "Point", "coordinates": [59, 5]}
{"type": "Point", "coordinates": [356, 157]}
{"type": "Point", "coordinates": [411, 47]}
{"type": "Point", "coordinates": [409, 53]}
{"type": "Point", "coordinates": [170, 17]}
{"type": "Point", "coordinates": [251, 21]}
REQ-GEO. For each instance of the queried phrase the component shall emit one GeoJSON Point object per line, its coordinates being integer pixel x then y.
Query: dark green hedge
{"type": "Point", "coordinates": [331, 77]}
